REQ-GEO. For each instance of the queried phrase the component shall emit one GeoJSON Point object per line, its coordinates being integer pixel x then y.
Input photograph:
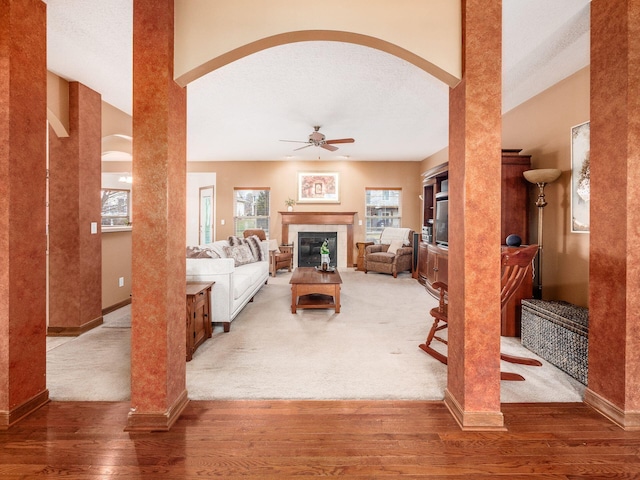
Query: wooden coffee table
{"type": "Point", "coordinates": [311, 288]}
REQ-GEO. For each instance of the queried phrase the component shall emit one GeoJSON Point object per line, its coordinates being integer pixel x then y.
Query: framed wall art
{"type": "Point", "coordinates": [318, 187]}
{"type": "Point", "coordinates": [580, 173]}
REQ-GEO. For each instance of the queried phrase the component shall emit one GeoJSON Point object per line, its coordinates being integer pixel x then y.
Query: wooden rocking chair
{"type": "Point", "coordinates": [514, 268]}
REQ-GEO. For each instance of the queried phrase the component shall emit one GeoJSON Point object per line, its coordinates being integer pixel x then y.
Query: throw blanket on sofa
{"type": "Point", "coordinates": [391, 233]}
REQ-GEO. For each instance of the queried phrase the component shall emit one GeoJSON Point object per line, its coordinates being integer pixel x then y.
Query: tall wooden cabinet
{"type": "Point", "coordinates": [515, 197]}
{"type": "Point", "coordinates": [433, 255]}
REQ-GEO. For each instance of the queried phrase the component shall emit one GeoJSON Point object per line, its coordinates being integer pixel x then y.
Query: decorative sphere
{"type": "Point", "coordinates": [514, 240]}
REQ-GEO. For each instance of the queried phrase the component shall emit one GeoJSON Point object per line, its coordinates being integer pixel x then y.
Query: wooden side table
{"type": "Point", "coordinates": [361, 246]}
{"type": "Point", "coordinates": [199, 316]}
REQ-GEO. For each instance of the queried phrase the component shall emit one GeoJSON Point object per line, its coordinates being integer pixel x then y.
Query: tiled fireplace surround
{"type": "Point", "coordinates": [340, 222]}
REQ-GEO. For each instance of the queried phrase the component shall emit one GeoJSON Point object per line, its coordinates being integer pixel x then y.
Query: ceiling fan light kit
{"type": "Point", "coordinates": [318, 139]}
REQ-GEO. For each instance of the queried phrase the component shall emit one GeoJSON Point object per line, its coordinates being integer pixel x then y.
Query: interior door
{"type": "Point", "coordinates": [207, 222]}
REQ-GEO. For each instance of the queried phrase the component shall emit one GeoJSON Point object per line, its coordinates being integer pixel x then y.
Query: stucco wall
{"type": "Point", "coordinates": [542, 128]}
{"type": "Point", "coordinates": [211, 34]}
{"type": "Point", "coordinates": [116, 264]}
{"type": "Point", "coordinates": [281, 178]}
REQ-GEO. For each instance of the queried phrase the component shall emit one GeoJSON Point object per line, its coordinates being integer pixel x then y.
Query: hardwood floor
{"type": "Point", "coordinates": [293, 439]}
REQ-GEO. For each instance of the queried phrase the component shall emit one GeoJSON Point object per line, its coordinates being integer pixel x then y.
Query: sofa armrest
{"type": "Point", "coordinates": [404, 251]}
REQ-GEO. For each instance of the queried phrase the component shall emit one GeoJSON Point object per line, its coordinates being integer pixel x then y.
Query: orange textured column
{"type": "Point", "coordinates": [473, 385]}
{"type": "Point", "coordinates": [158, 348]}
{"type": "Point", "coordinates": [23, 122]}
{"type": "Point", "coordinates": [75, 253]}
{"type": "Point", "coordinates": [614, 262]}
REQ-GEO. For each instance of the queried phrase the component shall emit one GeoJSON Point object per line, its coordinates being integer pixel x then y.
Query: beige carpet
{"type": "Point", "coordinates": [93, 366]}
{"type": "Point", "coordinates": [368, 351]}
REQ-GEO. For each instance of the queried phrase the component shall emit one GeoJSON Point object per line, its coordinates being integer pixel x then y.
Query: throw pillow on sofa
{"type": "Point", "coordinates": [241, 254]}
{"type": "Point", "coordinates": [256, 247]}
{"type": "Point", "coordinates": [201, 252]}
{"type": "Point", "coordinates": [252, 241]}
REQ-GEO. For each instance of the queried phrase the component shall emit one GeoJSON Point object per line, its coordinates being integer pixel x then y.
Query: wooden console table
{"type": "Point", "coordinates": [198, 315]}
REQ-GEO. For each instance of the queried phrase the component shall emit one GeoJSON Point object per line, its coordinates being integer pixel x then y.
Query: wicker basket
{"type": "Point", "coordinates": [559, 333]}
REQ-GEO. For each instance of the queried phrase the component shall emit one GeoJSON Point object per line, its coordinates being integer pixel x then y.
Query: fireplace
{"type": "Point", "coordinates": [323, 222]}
{"type": "Point", "coordinates": [309, 244]}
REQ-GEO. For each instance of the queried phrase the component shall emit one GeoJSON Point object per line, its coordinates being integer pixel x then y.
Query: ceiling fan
{"type": "Point", "coordinates": [317, 139]}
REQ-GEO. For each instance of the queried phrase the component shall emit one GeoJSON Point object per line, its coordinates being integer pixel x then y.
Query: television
{"type": "Point", "coordinates": [442, 221]}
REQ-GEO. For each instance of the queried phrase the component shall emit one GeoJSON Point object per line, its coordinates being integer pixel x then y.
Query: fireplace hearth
{"type": "Point", "coordinates": [309, 244]}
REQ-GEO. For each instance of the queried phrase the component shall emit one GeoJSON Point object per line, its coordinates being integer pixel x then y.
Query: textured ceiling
{"type": "Point", "coordinates": [392, 109]}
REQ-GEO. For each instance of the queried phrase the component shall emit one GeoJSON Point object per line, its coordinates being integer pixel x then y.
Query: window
{"type": "Point", "coordinates": [382, 209]}
{"type": "Point", "coordinates": [115, 207]}
{"type": "Point", "coordinates": [251, 207]}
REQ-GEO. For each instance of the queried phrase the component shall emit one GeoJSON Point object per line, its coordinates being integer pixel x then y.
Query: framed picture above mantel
{"type": "Point", "coordinates": [318, 187]}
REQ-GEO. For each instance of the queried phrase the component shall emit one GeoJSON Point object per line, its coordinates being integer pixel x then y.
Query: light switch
{"type": "Point", "coordinates": [222, 222]}
{"type": "Point", "coordinates": [94, 228]}
{"type": "Point", "coordinates": [360, 222]}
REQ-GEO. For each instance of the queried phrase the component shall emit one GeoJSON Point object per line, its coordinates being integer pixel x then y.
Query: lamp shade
{"type": "Point", "coordinates": [542, 175]}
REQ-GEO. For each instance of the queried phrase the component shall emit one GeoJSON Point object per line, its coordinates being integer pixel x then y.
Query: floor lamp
{"type": "Point", "coordinates": [541, 177]}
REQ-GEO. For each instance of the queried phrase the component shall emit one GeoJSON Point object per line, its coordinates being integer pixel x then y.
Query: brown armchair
{"type": "Point", "coordinates": [277, 259]}
{"type": "Point", "coordinates": [378, 258]}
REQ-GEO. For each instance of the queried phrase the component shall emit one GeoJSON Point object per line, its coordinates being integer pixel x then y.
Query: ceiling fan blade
{"type": "Point", "coordinates": [331, 148]}
{"type": "Point", "coordinates": [340, 140]}
{"type": "Point", "coordinates": [300, 148]}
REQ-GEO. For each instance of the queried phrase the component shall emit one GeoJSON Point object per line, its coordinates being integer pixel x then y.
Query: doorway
{"type": "Point", "coordinates": [206, 225]}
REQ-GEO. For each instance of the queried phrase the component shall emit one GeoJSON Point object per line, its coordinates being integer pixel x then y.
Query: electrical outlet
{"type": "Point", "coordinates": [121, 282]}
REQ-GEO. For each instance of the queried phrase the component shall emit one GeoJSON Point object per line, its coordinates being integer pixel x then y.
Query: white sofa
{"type": "Point", "coordinates": [235, 286]}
